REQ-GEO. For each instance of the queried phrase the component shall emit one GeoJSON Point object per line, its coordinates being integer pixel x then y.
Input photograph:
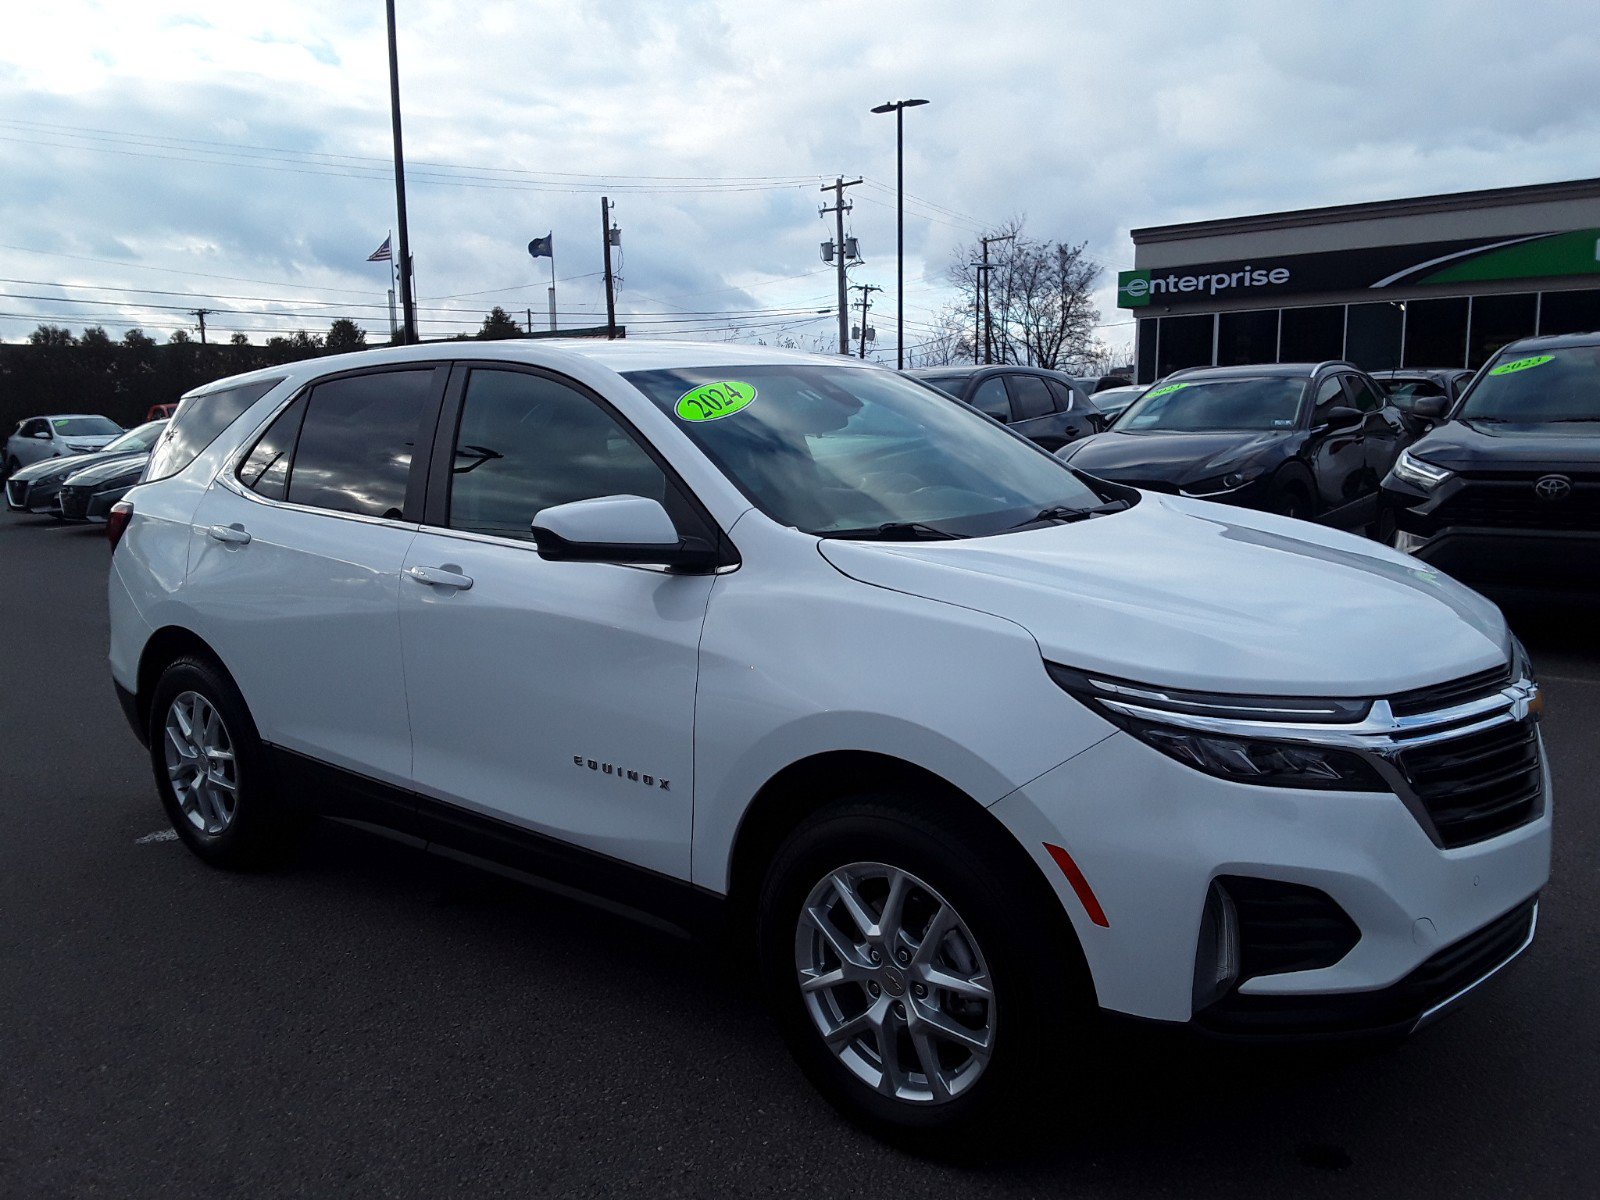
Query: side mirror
{"type": "Point", "coordinates": [1342, 417]}
{"type": "Point", "coordinates": [618, 529]}
{"type": "Point", "coordinates": [43, 435]}
{"type": "Point", "coordinates": [1430, 408]}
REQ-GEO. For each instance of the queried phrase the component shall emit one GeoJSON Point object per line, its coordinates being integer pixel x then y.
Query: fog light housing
{"type": "Point", "coordinates": [1216, 956]}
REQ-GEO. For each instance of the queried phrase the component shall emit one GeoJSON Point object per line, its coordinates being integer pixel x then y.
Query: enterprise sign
{"type": "Point", "coordinates": [1528, 256]}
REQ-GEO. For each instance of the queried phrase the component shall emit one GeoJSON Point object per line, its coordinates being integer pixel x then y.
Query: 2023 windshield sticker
{"type": "Point", "coordinates": [1171, 387]}
{"type": "Point", "coordinates": [1522, 364]}
{"type": "Point", "coordinates": [713, 401]}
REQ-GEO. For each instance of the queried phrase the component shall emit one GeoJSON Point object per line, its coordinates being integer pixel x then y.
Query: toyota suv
{"type": "Point", "coordinates": [1506, 490]}
{"type": "Point", "coordinates": [966, 747]}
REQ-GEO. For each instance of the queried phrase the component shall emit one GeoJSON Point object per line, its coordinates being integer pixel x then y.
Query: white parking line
{"type": "Point", "coordinates": [160, 835]}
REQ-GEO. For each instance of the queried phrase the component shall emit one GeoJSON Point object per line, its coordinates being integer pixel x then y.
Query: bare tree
{"type": "Point", "coordinates": [950, 341]}
{"type": "Point", "coordinates": [1036, 308]}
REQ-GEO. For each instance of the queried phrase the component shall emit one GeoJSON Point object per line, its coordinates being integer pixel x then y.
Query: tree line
{"type": "Point", "coordinates": [57, 370]}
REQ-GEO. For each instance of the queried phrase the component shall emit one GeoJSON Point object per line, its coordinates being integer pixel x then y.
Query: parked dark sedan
{"type": "Point", "coordinates": [88, 495]}
{"type": "Point", "coordinates": [34, 488]}
{"type": "Point", "coordinates": [1506, 490]}
{"type": "Point", "coordinates": [1408, 385]}
{"type": "Point", "coordinates": [1306, 440]}
{"type": "Point", "coordinates": [1044, 406]}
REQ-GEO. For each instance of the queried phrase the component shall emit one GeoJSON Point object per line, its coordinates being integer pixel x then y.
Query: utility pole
{"type": "Point", "coordinates": [988, 317]}
{"type": "Point", "coordinates": [200, 315]}
{"type": "Point", "coordinates": [530, 320]}
{"type": "Point", "coordinates": [866, 289]}
{"type": "Point", "coordinates": [408, 306]}
{"type": "Point", "coordinates": [609, 237]}
{"type": "Point", "coordinates": [835, 252]}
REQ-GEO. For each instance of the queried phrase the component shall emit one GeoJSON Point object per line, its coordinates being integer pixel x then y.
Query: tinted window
{"type": "Point", "coordinates": [1201, 405]}
{"type": "Point", "coordinates": [34, 428]}
{"type": "Point", "coordinates": [950, 385]}
{"type": "Point", "coordinates": [1362, 395]}
{"type": "Point", "coordinates": [526, 443]}
{"type": "Point", "coordinates": [1060, 394]}
{"type": "Point", "coordinates": [1029, 397]}
{"type": "Point", "coordinates": [197, 423]}
{"type": "Point", "coordinates": [991, 398]}
{"type": "Point", "coordinates": [1330, 395]}
{"type": "Point", "coordinates": [71, 427]}
{"type": "Point", "coordinates": [356, 442]}
{"type": "Point", "coordinates": [266, 470]}
{"type": "Point", "coordinates": [831, 449]}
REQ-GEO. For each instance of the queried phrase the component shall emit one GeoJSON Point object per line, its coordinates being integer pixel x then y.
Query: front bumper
{"type": "Point", "coordinates": [1150, 836]}
{"type": "Point", "coordinates": [31, 496]}
{"type": "Point", "coordinates": [1521, 554]}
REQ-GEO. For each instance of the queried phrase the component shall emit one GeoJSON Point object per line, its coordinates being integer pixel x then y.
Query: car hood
{"type": "Point", "coordinates": [1175, 458]}
{"type": "Point", "coordinates": [1197, 595]}
{"type": "Point", "coordinates": [109, 467]}
{"type": "Point", "coordinates": [1465, 445]}
{"type": "Point", "coordinates": [65, 465]}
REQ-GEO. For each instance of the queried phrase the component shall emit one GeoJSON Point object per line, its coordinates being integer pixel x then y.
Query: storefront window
{"type": "Point", "coordinates": [1497, 320]}
{"type": "Point", "coordinates": [1436, 333]}
{"type": "Point", "coordinates": [1312, 334]}
{"type": "Point", "coordinates": [1185, 342]}
{"type": "Point", "coordinates": [1145, 365]}
{"type": "Point", "coordinates": [1569, 312]}
{"type": "Point", "coordinates": [1247, 337]}
{"type": "Point", "coordinates": [1372, 338]}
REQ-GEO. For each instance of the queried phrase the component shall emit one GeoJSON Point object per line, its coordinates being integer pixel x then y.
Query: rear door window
{"type": "Point", "coordinates": [357, 441]}
{"type": "Point", "coordinates": [1029, 397]}
{"type": "Point", "coordinates": [266, 470]}
{"type": "Point", "coordinates": [197, 423]}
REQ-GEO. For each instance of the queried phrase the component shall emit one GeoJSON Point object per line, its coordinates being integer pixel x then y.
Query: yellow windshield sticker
{"type": "Point", "coordinates": [1523, 364]}
{"type": "Point", "coordinates": [1171, 387]}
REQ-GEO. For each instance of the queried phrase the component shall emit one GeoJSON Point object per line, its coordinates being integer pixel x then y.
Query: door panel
{"type": "Point", "coordinates": [1338, 457]}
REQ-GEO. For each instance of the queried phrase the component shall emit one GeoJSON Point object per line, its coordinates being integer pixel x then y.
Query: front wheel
{"type": "Point", "coordinates": [917, 981]}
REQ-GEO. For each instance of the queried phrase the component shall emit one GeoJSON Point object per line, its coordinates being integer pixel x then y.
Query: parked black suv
{"type": "Point", "coordinates": [1507, 489]}
{"type": "Point", "coordinates": [1043, 406]}
{"type": "Point", "coordinates": [1309, 440]}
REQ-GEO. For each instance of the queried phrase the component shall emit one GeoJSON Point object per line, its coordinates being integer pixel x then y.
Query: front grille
{"type": "Point", "coordinates": [1480, 785]}
{"type": "Point", "coordinates": [73, 501]}
{"type": "Point", "coordinates": [1508, 504]}
{"type": "Point", "coordinates": [1447, 695]}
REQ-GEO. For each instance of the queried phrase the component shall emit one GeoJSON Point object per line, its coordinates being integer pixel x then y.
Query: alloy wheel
{"type": "Point", "coordinates": [200, 763]}
{"type": "Point", "coordinates": [895, 982]}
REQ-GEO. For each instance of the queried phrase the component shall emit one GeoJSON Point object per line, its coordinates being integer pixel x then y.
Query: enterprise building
{"type": "Point", "coordinates": [1436, 281]}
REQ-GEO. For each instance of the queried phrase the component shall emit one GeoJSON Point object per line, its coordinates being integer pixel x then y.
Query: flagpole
{"type": "Point", "coordinates": [552, 283]}
{"type": "Point", "coordinates": [394, 322]}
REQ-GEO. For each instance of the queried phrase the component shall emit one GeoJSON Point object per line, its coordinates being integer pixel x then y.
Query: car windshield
{"type": "Point", "coordinates": [84, 426]}
{"type": "Point", "coordinates": [828, 449]}
{"type": "Point", "coordinates": [1556, 385]}
{"type": "Point", "coordinates": [1206, 405]}
{"type": "Point", "coordinates": [140, 438]}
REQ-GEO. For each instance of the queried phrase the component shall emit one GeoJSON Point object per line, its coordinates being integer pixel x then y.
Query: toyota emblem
{"type": "Point", "coordinates": [1553, 487]}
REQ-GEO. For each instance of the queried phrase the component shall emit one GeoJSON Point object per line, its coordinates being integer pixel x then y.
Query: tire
{"type": "Point", "coordinates": [1039, 998]}
{"type": "Point", "coordinates": [1290, 501]}
{"type": "Point", "coordinates": [1383, 527]}
{"type": "Point", "coordinates": [228, 812]}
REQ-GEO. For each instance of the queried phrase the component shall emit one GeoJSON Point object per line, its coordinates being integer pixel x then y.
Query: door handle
{"type": "Point", "coordinates": [448, 575]}
{"type": "Point", "coordinates": [229, 535]}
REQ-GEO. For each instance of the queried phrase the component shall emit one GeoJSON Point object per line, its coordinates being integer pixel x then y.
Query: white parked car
{"type": "Point", "coordinates": [38, 438]}
{"type": "Point", "coordinates": [966, 746]}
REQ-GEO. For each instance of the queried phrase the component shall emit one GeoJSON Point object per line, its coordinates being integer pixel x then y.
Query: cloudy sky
{"type": "Point", "coordinates": [160, 156]}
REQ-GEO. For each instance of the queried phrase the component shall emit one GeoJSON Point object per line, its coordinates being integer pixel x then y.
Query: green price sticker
{"type": "Point", "coordinates": [1171, 387]}
{"type": "Point", "coordinates": [1523, 364]}
{"type": "Point", "coordinates": [711, 401]}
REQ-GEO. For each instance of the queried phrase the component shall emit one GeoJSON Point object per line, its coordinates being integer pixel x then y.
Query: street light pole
{"type": "Point", "coordinates": [898, 107]}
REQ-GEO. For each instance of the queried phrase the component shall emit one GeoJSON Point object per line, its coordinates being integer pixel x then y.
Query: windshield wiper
{"type": "Point", "coordinates": [1568, 420]}
{"type": "Point", "coordinates": [1061, 512]}
{"type": "Point", "coordinates": [893, 531]}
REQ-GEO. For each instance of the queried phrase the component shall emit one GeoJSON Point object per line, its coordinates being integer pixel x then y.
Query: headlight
{"type": "Point", "coordinates": [1419, 472]}
{"type": "Point", "coordinates": [1173, 722]}
{"type": "Point", "coordinates": [1219, 484]}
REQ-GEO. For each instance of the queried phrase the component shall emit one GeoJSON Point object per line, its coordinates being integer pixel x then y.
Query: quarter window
{"type": "Point", "coordinates": [526, 442]}
{"type": "Point", "coordinates": [1362, 395]}
{"type": "Point", "coordinates": [354, 450]}
{"type": "Point", "coordinates": [1061, 394]}
{"type": "Point", "coordinates": [1330, 395]}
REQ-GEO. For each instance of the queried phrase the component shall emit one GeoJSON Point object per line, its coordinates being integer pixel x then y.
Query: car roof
{"type": "Point", "coordinates": [971, 369]}
{"type": "Point", "coordinates": [1555, 341]}
{"type": "Point", "coordinates": [621, 355]}
{"type": "Point", "coordinates": [1420, 372]}
{"type": "Point", "coordinates": [66, 416]}
{"type": "Point", "coordinates": [1261, 370]}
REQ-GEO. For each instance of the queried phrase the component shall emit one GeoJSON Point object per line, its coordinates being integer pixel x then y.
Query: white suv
{"type": "Point", "coordinates": [966, 745]}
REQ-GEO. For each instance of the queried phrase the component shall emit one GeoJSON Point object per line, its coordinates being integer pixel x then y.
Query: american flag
{"type": "Point", "coordinates": [381, 254]}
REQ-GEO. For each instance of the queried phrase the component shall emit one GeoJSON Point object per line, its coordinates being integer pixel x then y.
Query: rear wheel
{"type": "Point", "coordinates": [1291, 501]}
{"type": "Point", "coordinates": [211, 770]}
{"type": "Point", "coordinates": [918, 981]}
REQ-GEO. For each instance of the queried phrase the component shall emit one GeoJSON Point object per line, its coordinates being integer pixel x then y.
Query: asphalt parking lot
{"type": "Point", "coordinates": [373, 1021]}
